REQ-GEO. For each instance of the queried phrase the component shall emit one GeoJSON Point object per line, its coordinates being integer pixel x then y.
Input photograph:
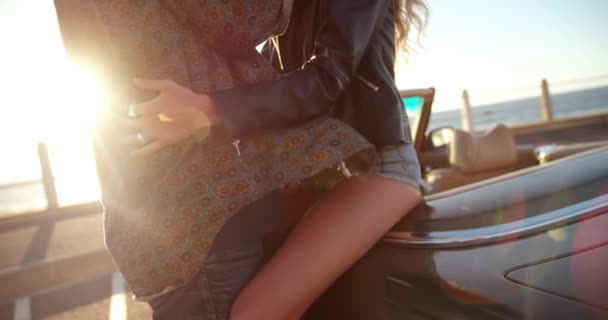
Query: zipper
{"type": "Point", "coordinates": [368, 83]}
{"type": "Point", "coordinates": [344, 170]}
{"type": "Point", "coordinates": [235, 144]}
{"type": "Point", "coordinates": [275, 43]}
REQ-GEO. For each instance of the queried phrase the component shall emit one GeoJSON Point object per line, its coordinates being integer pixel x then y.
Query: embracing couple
{"type": "Point", "coordinates": [206, 143]}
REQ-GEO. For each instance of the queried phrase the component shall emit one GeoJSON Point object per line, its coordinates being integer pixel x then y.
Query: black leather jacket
{"type": "Point", "coordinates": [351, 74]}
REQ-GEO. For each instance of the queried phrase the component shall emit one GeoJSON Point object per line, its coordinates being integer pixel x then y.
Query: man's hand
{"type": "Point", "coordinates": [176, 114]}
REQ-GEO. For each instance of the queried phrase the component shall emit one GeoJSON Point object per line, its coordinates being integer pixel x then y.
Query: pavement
{"type": "Point", "coordinates": [53, 265]}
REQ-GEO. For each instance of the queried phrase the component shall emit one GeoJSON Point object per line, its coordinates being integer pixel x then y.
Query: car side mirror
{"type": "Point", "coordinates": [440, 137]}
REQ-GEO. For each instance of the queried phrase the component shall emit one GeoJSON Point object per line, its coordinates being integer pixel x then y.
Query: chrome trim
{"type": "Point", "coordinates": [516, 229]}
{"type": "Point", "coordinates": [399, 281]}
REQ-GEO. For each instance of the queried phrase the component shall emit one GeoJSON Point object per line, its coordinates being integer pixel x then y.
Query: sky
{"type": "Point", "coordinates": [496, 49]}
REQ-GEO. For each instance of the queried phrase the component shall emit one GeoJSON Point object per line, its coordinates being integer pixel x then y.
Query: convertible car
{"type": "Point", "coordinates": [517, 228]}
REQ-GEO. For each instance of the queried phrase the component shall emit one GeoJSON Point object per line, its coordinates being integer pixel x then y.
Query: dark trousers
{"type": "Point", "coordinates": [235, 257]}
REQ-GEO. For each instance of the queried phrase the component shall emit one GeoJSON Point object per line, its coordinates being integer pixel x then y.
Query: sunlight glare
{"type": "Point", "coordinates": [69, 102]}
{"type": "Point", "coordinates": [83, 94]}
{"type": "Point", "coordinates": [557, 235]}
{"type": "Point", "coordinates": [69, 124]}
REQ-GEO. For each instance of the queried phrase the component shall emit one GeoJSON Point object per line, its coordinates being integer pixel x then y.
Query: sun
{"type": "Point", "coordinates": [82, 97]}
{"type": "Point", "coordinates": [45, 99]}
{"type": "Point", "coordinates": [78, 96]}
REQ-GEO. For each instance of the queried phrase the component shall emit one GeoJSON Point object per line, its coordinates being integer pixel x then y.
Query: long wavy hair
{"type": "Point", "coordinates": [409, 13]}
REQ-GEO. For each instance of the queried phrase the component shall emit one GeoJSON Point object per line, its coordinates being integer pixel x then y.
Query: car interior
{"type": "Point", "coordinates": [451, 157]}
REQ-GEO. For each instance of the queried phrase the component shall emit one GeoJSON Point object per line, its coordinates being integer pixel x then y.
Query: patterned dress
{"type": "Point", "coordinates": [163, 212]}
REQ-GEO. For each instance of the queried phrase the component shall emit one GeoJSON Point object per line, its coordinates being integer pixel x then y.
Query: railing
{"type": "Point", "coordinates": [546, 104]}
{"type": "Point", "coordinates": [47, 179]}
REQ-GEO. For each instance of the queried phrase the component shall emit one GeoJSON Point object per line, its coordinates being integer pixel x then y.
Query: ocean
{"type": "Point", "coordinates": [81, 186]}
{"type": "Point", "coordinates": [522, 111]}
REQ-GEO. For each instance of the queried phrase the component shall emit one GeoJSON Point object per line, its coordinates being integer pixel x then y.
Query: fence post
{"type": "Point", "coordinates": [466, 115]}
{"type": "Point", "coordinates": [546, 106]}
{"type": "Point", "coordinates": [48, 181]}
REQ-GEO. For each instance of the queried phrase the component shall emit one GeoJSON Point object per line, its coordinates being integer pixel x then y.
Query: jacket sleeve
{"type": "Point", "coordinates": [304, 94]}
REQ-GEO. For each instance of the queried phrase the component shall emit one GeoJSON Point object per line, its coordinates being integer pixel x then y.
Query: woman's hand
{"type": "Point", "coordinates": [176, 114]}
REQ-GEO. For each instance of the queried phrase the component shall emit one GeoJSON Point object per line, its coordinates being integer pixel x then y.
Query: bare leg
{"type": "Point", "coordinates": [336, 232]}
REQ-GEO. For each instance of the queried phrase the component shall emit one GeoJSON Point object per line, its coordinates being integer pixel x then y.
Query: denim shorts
{"type": "Point", "coordinates": [236, 256]}
{"type": "Point", "coordinates": [399, 162]}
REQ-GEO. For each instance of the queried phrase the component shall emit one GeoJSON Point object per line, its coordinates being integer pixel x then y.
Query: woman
{"type": "Point", "coordinates": [347, 48]}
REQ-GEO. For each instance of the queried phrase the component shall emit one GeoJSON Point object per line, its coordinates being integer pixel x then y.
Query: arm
{"type": "Point", "coordinates": [312, 90]}
{"type": "Point", "coordinates": [294, 98]}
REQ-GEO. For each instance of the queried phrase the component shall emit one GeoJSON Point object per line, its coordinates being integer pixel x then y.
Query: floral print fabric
{"type": "Point", "coordinates": [163, 213]}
